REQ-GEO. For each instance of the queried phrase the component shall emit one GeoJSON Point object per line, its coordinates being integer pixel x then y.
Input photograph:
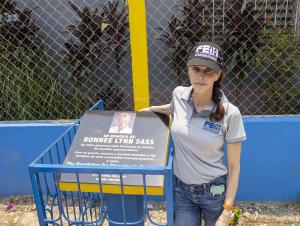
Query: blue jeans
{"type": "Point", "coordinates": [194, 202]}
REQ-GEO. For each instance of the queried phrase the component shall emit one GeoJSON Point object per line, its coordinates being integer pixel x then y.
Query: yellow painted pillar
{"type": "Point", "coordinates": [139, 53]}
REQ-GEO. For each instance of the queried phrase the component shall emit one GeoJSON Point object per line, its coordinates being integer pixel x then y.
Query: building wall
{"type": "Point", "coordinates": [270, 166]}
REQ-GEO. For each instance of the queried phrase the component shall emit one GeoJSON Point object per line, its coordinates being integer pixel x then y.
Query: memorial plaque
{"type": "Point", "coordinates": [118, 139]}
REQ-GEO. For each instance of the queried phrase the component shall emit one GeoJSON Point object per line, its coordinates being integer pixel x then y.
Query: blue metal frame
{"type": "Point", "coordinates": [55, 207]}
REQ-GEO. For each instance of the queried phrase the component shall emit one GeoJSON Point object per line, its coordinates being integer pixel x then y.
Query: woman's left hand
{"type": "Point", "coordinates": [224, 218]}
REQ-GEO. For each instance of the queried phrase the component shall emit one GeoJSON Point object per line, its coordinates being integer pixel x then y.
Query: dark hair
{"type": "Point", "coordinates": [219, 113]}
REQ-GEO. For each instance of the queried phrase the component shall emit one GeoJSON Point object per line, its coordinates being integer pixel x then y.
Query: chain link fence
{"type": "Point", "coordinates": [59, 57]}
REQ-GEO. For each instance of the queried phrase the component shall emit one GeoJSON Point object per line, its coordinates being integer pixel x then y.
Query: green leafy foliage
{"type": "Point", "coordinates": [242, 39]}
{"type": "Point", "coordinates": [235, 216]}
{"type": "Point", "coordinates": [183, 33]}
{"type": "Point", "coordinates": [20, 31]}
{"type": "Point", "coordinates": [117, 32]}
{"type": "Point", "coordinates": [241, 34]}
{"type": "Point", "coordinates": [98, 33]}
{"type": "Point", "coordinates": [83, 57]}
{"type": "Point", "coordinates": [279, 64]}
{"type": "Point", "coordinates": [28, 89]}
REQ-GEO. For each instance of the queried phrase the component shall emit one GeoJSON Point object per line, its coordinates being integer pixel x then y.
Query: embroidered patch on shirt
{"type": "Point", "coordinates": [212, 127]}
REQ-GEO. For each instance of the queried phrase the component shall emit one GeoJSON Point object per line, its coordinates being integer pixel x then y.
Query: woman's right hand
{"type": "Point", "coordinates": [163, 109]}
{"type": "Point", "coordinates": [146, 109]}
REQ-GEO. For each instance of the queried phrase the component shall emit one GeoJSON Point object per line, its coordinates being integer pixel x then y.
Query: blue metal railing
{"type": "Point", "coordinates": [56, 207]}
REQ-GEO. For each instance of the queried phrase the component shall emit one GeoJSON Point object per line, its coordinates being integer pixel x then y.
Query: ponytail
{"type": "Point", "coordinates": [218, 114]}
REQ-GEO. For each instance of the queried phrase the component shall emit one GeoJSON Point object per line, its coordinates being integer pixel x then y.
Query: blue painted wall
{"type": "Point", "coordinates": [20, 144]}
{"type": "Point", "coordinates": [270, 161]}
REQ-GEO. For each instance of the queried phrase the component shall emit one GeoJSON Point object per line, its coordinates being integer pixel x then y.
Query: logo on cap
{"type": "Point", "coordinates": [207, 51]}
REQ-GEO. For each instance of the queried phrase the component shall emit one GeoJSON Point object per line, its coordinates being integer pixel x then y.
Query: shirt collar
{"type": "Point", "coordinates": [187, 93]}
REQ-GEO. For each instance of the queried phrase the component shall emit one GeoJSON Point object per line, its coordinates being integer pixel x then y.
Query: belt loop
{"type": "Point", "coordinates": [205, 187]}
{"type": "Point", "coordinates": [177, 182]}
{"type": "Point", "coordinates": [191, 188]}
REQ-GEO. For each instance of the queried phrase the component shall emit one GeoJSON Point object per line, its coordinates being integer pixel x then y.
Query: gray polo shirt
{"type": "Point", "coordinates": [199, 142]}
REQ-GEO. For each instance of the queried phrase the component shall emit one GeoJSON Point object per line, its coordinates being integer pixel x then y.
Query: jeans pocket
{"type": "Point", "coordinates": [217, 191]}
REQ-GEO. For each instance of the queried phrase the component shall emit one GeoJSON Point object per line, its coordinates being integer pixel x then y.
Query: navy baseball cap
{"type": "Point", "coordinates": [206, 54]}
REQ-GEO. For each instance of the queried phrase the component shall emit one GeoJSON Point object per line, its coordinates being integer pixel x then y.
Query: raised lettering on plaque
{"type": "Point", "coordinates": [108, 138]}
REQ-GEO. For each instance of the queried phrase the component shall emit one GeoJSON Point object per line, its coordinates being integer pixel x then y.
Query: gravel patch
{"type": "Point", "coordinates": [23, 213]}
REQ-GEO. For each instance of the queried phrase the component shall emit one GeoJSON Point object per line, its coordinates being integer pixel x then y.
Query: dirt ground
{"type": "Point", "coordinates": [23, 213]}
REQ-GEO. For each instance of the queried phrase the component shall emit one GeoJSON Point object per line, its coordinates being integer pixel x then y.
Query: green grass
{"type": "Point", "coordinates": [29, 92]}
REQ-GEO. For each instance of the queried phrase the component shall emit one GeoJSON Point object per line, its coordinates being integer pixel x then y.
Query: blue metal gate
{"type": "Point", "coordinates": [57, 207]}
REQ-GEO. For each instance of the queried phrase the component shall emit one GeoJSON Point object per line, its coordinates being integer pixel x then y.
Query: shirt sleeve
{"type": "Point", "coordinates": [235, 128]}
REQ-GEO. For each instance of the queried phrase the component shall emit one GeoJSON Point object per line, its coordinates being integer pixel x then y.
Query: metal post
{"type": "Point", "coordinates": [169, 198]}
{"type": "Point", "coordinates": [38, 196]}
{"type": "Point", "coordinates": [139, 53]}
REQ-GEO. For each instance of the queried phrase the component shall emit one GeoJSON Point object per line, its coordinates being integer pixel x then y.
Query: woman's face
{"type": "Point", "coordinates": [202, 78]}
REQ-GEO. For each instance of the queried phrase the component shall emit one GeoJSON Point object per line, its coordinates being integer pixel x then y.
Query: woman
{"type": "Point", "coordinates": [203, 121]}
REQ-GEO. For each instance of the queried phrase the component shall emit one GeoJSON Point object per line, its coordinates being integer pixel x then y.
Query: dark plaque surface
{"type": "Point", "coordinates": [118, 139]}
